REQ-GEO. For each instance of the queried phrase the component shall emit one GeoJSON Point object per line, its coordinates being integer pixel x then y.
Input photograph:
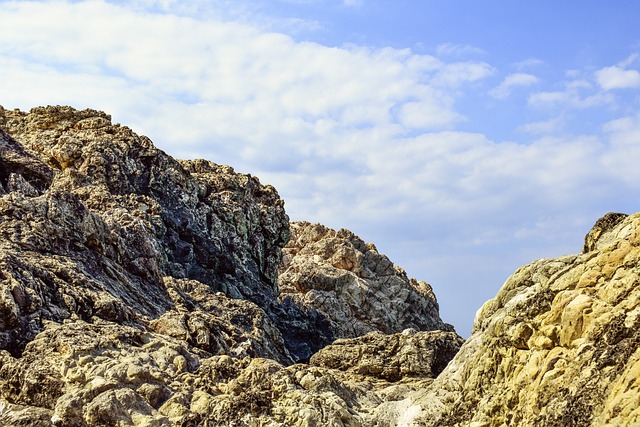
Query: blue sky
{"type": "Point", "coordinates": [464, 138]}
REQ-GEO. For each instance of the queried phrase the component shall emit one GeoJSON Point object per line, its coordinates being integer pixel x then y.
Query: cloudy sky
{"type": "Point", "coordinates": [463, 138]}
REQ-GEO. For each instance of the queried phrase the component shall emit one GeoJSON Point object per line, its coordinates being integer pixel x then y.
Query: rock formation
{"type": "Point", "coordinates": [136, 289]}
{"type": "Point", "coordinates": [559, 345]}
{"type": "Point", "coordinates": [357, 289]}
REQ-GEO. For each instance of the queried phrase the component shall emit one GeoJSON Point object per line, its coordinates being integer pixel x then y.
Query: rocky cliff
{"type": "Point", "coordinates": [558, 346]}
{"type": "Point", "coordinates": [136, 289]}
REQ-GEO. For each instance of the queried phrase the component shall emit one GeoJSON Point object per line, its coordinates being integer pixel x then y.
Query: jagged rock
{"type": "Point", "coordinates": [103, 373]}
{"type": "Point", "coordinates": [356, 288]}
{"type": "Point", "coordinates": [208, 221]}
{"type": "Point", "coordinates": [559, 345]}
{"type": "Point", "coordinates": [600, 234]}
{"type": "Point", "coordinates": [218, 324]}
{"type": "Point", "coordinates": [94, 218]}
{"type": "Point", "coordinates": [136, 289]}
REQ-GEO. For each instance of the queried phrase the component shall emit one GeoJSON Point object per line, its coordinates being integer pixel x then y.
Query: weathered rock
{"type": "Point", "coordinates": [27, 416]}
{"type": "Point", "coordinates": [218, 324]}
{"type": "Point", "coordinates": [601, 233]}
{"type": "Point", "coordinates": [356, 288]}
{"type": "Point", "coordinates": [409, 354]}
{"type": "Point", "coordinates": [95, 217]}
{"type": "Point", "coordinates": [559, 345]}
{"type": "Point", "coordinates": [103, 373]}
{"type": "Point", "coordinates": [136, 289]}
{"type": "Point", "coordinates": [210, 221]}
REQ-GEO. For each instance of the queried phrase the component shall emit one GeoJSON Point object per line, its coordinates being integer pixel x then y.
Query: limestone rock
{"type": "Point", "coordinates": [356, 288]}
{"type": "Point", "coordinates": [559, 345]}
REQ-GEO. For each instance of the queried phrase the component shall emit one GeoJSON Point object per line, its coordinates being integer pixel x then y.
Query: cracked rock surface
{"type": "Point", "coordinates": [141, 290]}
{"type": "Point", "coordinates": [356, 288]}
{"type": "Point", "coordinates": [559, 345]}
{"type": "Point", "coordinates": [137, 289]}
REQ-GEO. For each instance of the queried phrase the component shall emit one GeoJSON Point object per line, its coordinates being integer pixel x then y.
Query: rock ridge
{"type": "Point", "coordinates": [137, 289]}
{"type": "Point", "coordinates": [357, 289]}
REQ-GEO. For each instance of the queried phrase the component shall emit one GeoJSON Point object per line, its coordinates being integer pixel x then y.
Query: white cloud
{"type": "Point", "coordinates": [230, 81]}
{"type": "Point", "coordinates": [618, 78]}
{"type": "Point", "coordinates": [553, 125]}
{"type": "Point", "coordinates": [457, 50]}
{"type": "Point", "coordinates": [577, 94]}
{"type": "Point", "coordinates": [504, 89]}
{"type": "Point", "coordinates": [458, 73]}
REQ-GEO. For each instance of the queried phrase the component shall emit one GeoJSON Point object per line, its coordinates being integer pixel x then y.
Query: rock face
{"type": "Point", "coordinates": [136, 289]}
{"type": "Point", "coordinates": [559, 345]}
{"type": "Point", "coordinates": [357, 289]}
{"type": "Point", "coordinates": [95, 218]}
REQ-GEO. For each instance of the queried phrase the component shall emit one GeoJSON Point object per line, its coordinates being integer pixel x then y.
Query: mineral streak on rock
{"type": "Point", "coordinates": [136, 289]}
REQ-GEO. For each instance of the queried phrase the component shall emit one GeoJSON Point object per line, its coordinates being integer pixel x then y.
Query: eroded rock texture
{"type": "Point", "coordinates": [558, 346]}
{"type": "Point", "coordinates": [139, 290]}
{"type": "Point", "coordinates": [409, 354]}
{"type": "Point", "coordinates": [356, 288]}
{"type": "Point", "coordinates": [136, 289]}
{"type": "Point", "coordinates": [101, 373]}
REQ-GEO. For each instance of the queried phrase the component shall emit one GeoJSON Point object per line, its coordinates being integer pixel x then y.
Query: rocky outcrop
{"type": "Point", "coordinates": [136, 289]}
{"type": "Point", "coordinates": [101, 373]}
{"type": "Point", "coordinates": [356, 288]}
{"type": "Point", "coordinates": [94, 218]}
{"type": "Point", "coordinates": [559, 345]}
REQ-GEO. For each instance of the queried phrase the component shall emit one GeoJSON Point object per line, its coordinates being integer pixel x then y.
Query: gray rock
{"type": "Point", "coordinates": [391, 357]}
{"type": "Point", "coordinates": [95, 218]}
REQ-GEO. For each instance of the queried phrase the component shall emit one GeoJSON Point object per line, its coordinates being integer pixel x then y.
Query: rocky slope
{"type": "Point", "coordinates": [558, 346]}
{"type": "Point", "coordinates": [136, 289]}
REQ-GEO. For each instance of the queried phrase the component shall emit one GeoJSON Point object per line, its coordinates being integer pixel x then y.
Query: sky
{"type": "Point", "coordinates": [463, 138]}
